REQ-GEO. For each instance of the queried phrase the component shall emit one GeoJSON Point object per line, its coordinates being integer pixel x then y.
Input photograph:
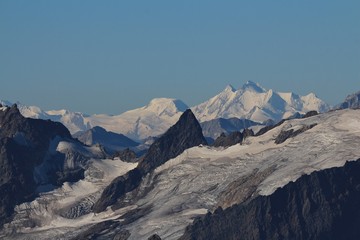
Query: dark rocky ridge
{"type": "Point", "coordinates": [268, 128]}
{"type": "Point", "coordinates": [310, 114]}
{"type": "Point", "coordinates": [272, 126]}
{"type": "Point", "coordinates": [284, 135]}
{"type": "Point", "coordinates": [322, 205]}
{"type": "Point", "coordinates": [233, 138]}
{"type": "Point", "coordinates": [24, 143]}
{"type": "Point", "coordinates": [186, 133]}
{"type": "Point", "coordinates": [126, 155]}
{"type": "Point", "coordinates": [154, 237]}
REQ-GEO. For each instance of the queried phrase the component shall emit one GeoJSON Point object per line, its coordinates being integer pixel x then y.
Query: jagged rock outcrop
{"type": "Point", "coordinates": [110, 140]}
{"type": "Point", "coordinates": [126, 155]}
{"type": "Point", "coordinates": [233, 138]}
{"type": "Point", "coordinates": [284, 135]}
{"type": "Point", "coordinates": [268, 128]}
{"type": "Point", "coordinates": [24, 144]}
{"type": "Point", "coordinates": [215, 127]}
{"type": "Point", "coordinates": [310, 114]}
{"type": "Point", "coordinates": [186, 133]}
{"type": "Point", "coordinates": [351, 101]}
{"type": "Point", "coordinates": [322, 205]}
{"type": "Point", "coordinates": [154, 237]}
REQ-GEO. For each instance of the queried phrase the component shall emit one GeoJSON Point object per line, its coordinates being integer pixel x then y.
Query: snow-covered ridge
{"type": "Point", "coordinates": [254, 102]}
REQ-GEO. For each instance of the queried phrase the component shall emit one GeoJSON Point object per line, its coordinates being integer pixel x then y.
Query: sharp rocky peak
{"type": "Point", "coordinates": [186, 133]}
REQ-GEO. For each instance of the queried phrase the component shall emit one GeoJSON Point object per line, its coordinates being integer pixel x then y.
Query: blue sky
{"type": "Point", "coordinates": [112, 56]}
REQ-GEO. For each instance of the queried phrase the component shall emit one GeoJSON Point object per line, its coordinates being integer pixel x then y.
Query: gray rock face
{"type": "Point", "coordinates": [310, 114]}
{"type": "Point", "coordinates": [186, 133]}
{"type": "Point", "coordinates": [322, 205]}
{"type": "Point", "coordinates": [24, 143]}
{"type": "Point", "coordinates": [351, 101]}
{"type": "Point", "coordinates": [214, 128]}
{"type": "Point", "coordinates": [154, 237]}
{"type": "Point", "coordinates": [284, 135]}
{"type": "Point", "coordinates": [110, 140]}
{"type": "Point", "coordinates": [126, 155]}
{"type": "Point", "coordinates": [233, 138]}
{"type": "Point", "coordinates": [268, 128]}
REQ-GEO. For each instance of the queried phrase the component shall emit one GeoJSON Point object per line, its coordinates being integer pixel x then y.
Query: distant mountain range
{"type": "Point", "coordinates": [250, 102]}
{"type": "Point", "coordinates": [255, 103]}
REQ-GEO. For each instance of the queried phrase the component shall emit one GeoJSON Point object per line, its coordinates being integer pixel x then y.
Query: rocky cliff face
{"type": "Point", "coordinates": [126, 155]}
{"type": "Point", "coordinates": [322, 205]}
{"type": "Point", "coordinates": [186, 133]}
{"type": "Point", "coordinates": [23, 146]}
{"type": "Point", "coordinates": [233, 138]}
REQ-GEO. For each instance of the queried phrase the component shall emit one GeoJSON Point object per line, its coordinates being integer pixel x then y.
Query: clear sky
{"type": "Point", "coordinates": [112, 56]}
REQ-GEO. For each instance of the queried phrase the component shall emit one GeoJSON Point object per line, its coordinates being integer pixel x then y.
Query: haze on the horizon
{"type": "Point", "coordinates": [112, 56]}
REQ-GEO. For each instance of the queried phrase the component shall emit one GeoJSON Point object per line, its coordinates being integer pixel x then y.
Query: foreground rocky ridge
{"type": "Point", "coordinates": [35, 153]}
{"type": "Point", "coordinates": [23, 145]}
{"type": "Point", "coordinates": [322, 205]}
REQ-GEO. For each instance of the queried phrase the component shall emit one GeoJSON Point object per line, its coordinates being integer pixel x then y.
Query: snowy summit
{"type": "Point", "coordinates": [254, 102]}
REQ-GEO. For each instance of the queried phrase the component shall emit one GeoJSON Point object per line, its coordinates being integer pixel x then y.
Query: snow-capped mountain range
{"type": "Point", "coordinates": [255, 103]}
{"type": "Point", "coordinates": [251, 101]}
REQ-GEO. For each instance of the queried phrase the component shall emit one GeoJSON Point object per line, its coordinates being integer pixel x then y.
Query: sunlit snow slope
{"type": "Point", "coordinates": [203, 178]}
{"type": "Point", "coordinates": [254, 102]}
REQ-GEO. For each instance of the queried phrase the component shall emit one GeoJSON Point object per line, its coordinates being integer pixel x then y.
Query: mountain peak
{"type": "Point", "coordinates": [250, 85]}
{"type": "Point", "coordinates": [184, 134]}
{"type": "Point", "coordinates": [159, 105]}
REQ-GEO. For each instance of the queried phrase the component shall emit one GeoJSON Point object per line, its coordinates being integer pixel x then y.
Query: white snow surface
{"type": "Point", "coordinates": [256, 103]}
{"type": "Point", "coordinates": [190, 184]}
{"type": "Point", "coordinates": [148, 121]}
